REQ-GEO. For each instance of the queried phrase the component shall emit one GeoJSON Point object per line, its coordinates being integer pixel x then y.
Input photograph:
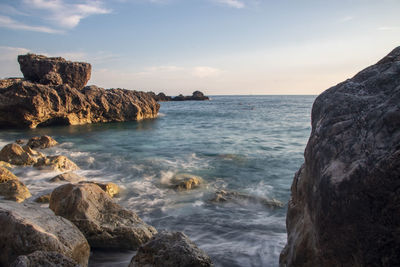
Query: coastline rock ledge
{"type": "Point", "coordinates": [345, 203]}
{"type": "Point", "coordinates": [53, 92]}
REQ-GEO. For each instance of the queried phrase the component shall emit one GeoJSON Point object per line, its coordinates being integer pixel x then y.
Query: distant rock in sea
{"type": "Point", "coordinates": [197, 95]}
{"type": "Point", "coordinates": [345, 203]}
{"type": "Point", "coordinates": [54, 93]}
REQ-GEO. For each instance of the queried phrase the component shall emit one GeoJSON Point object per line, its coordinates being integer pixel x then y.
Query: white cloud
{"type": "Point", "coordinates": [7, 22]}
{"type": "Point", "coordinates": [205, 72]}
{"type": "Point", "coordinates": [231, 3]}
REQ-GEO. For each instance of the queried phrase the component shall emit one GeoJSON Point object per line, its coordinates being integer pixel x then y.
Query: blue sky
{"type": "Point", "coordinates": [217, 46]}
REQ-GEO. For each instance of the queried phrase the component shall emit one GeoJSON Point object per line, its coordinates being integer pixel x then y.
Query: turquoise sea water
{"type": "Point", "coordinates": [248, 144]}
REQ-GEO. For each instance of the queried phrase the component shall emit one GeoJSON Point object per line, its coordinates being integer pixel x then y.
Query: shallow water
{"type": "Point", "coordinates": [249, 144]}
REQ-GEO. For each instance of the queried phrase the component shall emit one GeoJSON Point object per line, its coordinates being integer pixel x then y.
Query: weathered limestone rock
{"type": "Point", "coordinates": [67, 177]}
{"type": "Point", "coordinates": [184, 181]}
{"type": "Point", "coordinates": [110, 188]}
{"type": "Point", "coordinates": [56, 163]}
{"type": "Point", "coordinates": [104, 223]}
{"type": "Point", "coordinates": [54, 70]}
{"type": "Point", "coordinates": [11, 188]}
{"type": "Point", "coordinates": [15, 154]}
{"type": "Point", "coordinates": [44, 258]}
{"type": "Point", "coordinates": [345, 198]}
{"type": "Point", "coordinates": [44, 141]}
{"type": "Point", "coordinates": [26, 228]}
{"type": "Point", "coordinates": [170, 249]}
{"type": "Point", "coordinates": [25, 104]}
{"type": "Point", "coordinates": [222, 196]}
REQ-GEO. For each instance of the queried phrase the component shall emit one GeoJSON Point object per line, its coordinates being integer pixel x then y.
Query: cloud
{"type": "Point", "coordinates": [65, 14]}
{"type": "Point", "coordinates": [231, 3]}
{"type": "Point", "coordinates": [7, 22]}
{"type": "Point", "coordinates": [205, 72]}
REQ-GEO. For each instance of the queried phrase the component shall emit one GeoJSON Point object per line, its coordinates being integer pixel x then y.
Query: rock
{"type": "Point", "coordinates": [56, 163]}
{"type": "Point", "coordinates": [26, 228]}
{"type": "Point", "coordinates": [20, 141]}
{"type": "Point", "coordinates": [104, 223]}
{"type": "Point", "coordinates": [29, 105]}
{"type": "Point", "coordinates": [35, 154]}
{"type": "Point", "coordinates": [15, 154]}
{"type": "Point", "coordinates": [5, 83]}
{"type": "Point", "coordinates": [161, 97]}
{"type": "Point", "coordinates": [43, 198]}
{"type": "Point", "coordinates": [170, 249]}
{"type": "Point", "coordinates": [67, 177]}
{"type": "Point", "coordinates": [44, 141]}
{"type": "Point", "coordinates": [110, 188]}
{"type": "Point", "coordinates": [54, 70]}
{"type": "Point", "coordinates": [11, 188]}
{"type": "Point", "coordinates": [184, 181]}
{"type": "Point", "coordinates": [6, 165]}
{"type": "Point", "coordinates": [222, 196]}
{"type": "Point", "coordinates": [197, 95]}
{"type": "Point", "coordinates": [345, 200]}
{"type": "Point", "coordinates": [44, 258]}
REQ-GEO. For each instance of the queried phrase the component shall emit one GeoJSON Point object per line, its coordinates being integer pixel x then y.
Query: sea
{"type": "Point", "coordinates": [251, 145]}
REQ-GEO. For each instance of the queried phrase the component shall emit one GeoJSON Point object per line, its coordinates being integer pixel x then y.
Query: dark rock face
{"type": "Point", "coordinates": [170, 249]}
{"type": "Point", "coordinates": [44, 141]}
{"type": "Point", "coordinates": [104, 223]}
{"type": "Point", "coordinates": [26, 228]}
{"type": "Point", "coordinates": [44, 258]}
{"type": "Point", "coordinates": [197, 95]}
{"type": "Point", "coordinates": [346, 197]}
{"type": "Point", "coordinates": [54, 70]}
{"type": "Point", "coordinates": [25, 104]}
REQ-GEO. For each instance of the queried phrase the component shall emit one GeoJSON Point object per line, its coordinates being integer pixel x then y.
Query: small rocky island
{"type": "Point", "coordinates": [196, 96]}
{"type": "Point", "coordinates": [53, 92]}
{"type": "Point", "coordinates": [345, 203]}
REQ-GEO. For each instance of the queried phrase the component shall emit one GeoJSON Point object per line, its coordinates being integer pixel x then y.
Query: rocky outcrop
{"type": "Point", "coordinates": [345, 199]}
{"type": "Point", "coordinates": [43, 198]}
{"type": "Point", "coordinates": [26, 228]}
{"type": "Point", "coordinates": [44, 141]}
{"type": "Point", "coordinates": [44, 259]}
{"type": "Point", "coordinates": [17, 155]}
{"type": "Point", "coordinates": [185, 181]}
{"type": "Point", "coordinates": [110, 189]}
{"type": "Point", "coordinates": [28, 104]}
{"type": "Point", "coordinates": [11, 188]}
{"type": "Point", "coordinates": [56, 163]}
{"type": "Point", "coordinates": [70, 177]}
{"type": "Point", "coordinates": [197, 95]}
{"type": "Point", "coordinates": [104, 223]}
{"type": "Point", "coordinates": [170, 249]}
{"type": "Point", "coordinates": [223, 196]}
{"type": "Point", "coordinates": [54, 70]}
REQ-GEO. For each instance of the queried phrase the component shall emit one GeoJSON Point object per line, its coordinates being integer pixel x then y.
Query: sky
{"type": "Point", "coordinates": [221, 47]}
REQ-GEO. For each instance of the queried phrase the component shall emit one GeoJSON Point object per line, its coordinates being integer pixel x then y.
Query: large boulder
{"type": "Point", "coordinates": [104, 223]}
{"type": "Point", "coordinates": [170, 249]}
{"type": "Point", "coordinates": [56, 163]}
{"type": "Point", "coordinates": [11, 188]}
{"type": "Point", "coordinates": [44, 141]}
{"type": "Point", "coordinates": [54, 70]}
{"type": "Point", "coordinates": [17, 155]}
{"type": "Point", "coordinates": [70, 177]}
{"type": "Point", "coordinates": [25, 104]}
{"type": "Point", "coordinates": [44, 259]}
{"type": "Point", "coordinates": [26, 228]}
{"type": "Point", "coordinates": [111, 189]}
{"type": "Point", "coordinates": [345, 203]}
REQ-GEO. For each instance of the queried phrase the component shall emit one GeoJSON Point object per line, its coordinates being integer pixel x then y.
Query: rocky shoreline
{"type": "Point", "coordinates": [81, 216]}
{"type": "Point", "coordinates": [345, 198]}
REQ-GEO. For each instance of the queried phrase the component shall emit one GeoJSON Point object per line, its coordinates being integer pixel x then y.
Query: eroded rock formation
{"type": "Point", "coordinates": [345, 198]}
{"type": "Point", "coordinates": [44, 259]}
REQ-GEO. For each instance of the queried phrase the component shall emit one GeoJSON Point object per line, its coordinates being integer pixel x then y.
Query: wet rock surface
{"type": "Point", "coordinates": [11, 188]}
{"type": "Point", "coordinates": [70, 177]}
{"type": "Point", "coordinates": [44, 141]}
{"type": "Point", "coordinates": [26, 228]}
{"type": "Point", "coordinates": [56, 163]}
{"type": "Point", "coordinates": [17, 155]}
{"type": "Point", "coordinates": [185, 181]}
{"type": "Point", "coordinates": [345, 198]}
{"type": "Point", "coordinates": [170, 249]}
{"type": "Point", "coordinates": [44, 259]}
{"type": "Point", "coordinates": [104, 223]}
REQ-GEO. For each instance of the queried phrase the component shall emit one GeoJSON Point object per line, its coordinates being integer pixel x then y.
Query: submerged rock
{"type": "Point", "coordinates": [70, 177]}
{"type": "Point", "coordinates": [54, 70]}
{"type": "Point", "coordinates": [44, 259]}
{"type": "Point", "coordinates": [15, 154]}
{"type": "Point", "coordinates": [44, 141]}
{"type": "Point", "coordinates": [104, 223]}
{"type": "Point", "coordinates": [222, 196]}
{"type": "Point", "coordinates": [184, 181]}
{"type": "Point", "coordinates": [56, 163]}
{"type": "Point", "coordinates": [170, 249]}
{"type": "Point", "coordinates": [26, 228]}
{"type": "Point", "coordinates": [11, 188]}
{"type": "Point", "coordinates": [345, 200]}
